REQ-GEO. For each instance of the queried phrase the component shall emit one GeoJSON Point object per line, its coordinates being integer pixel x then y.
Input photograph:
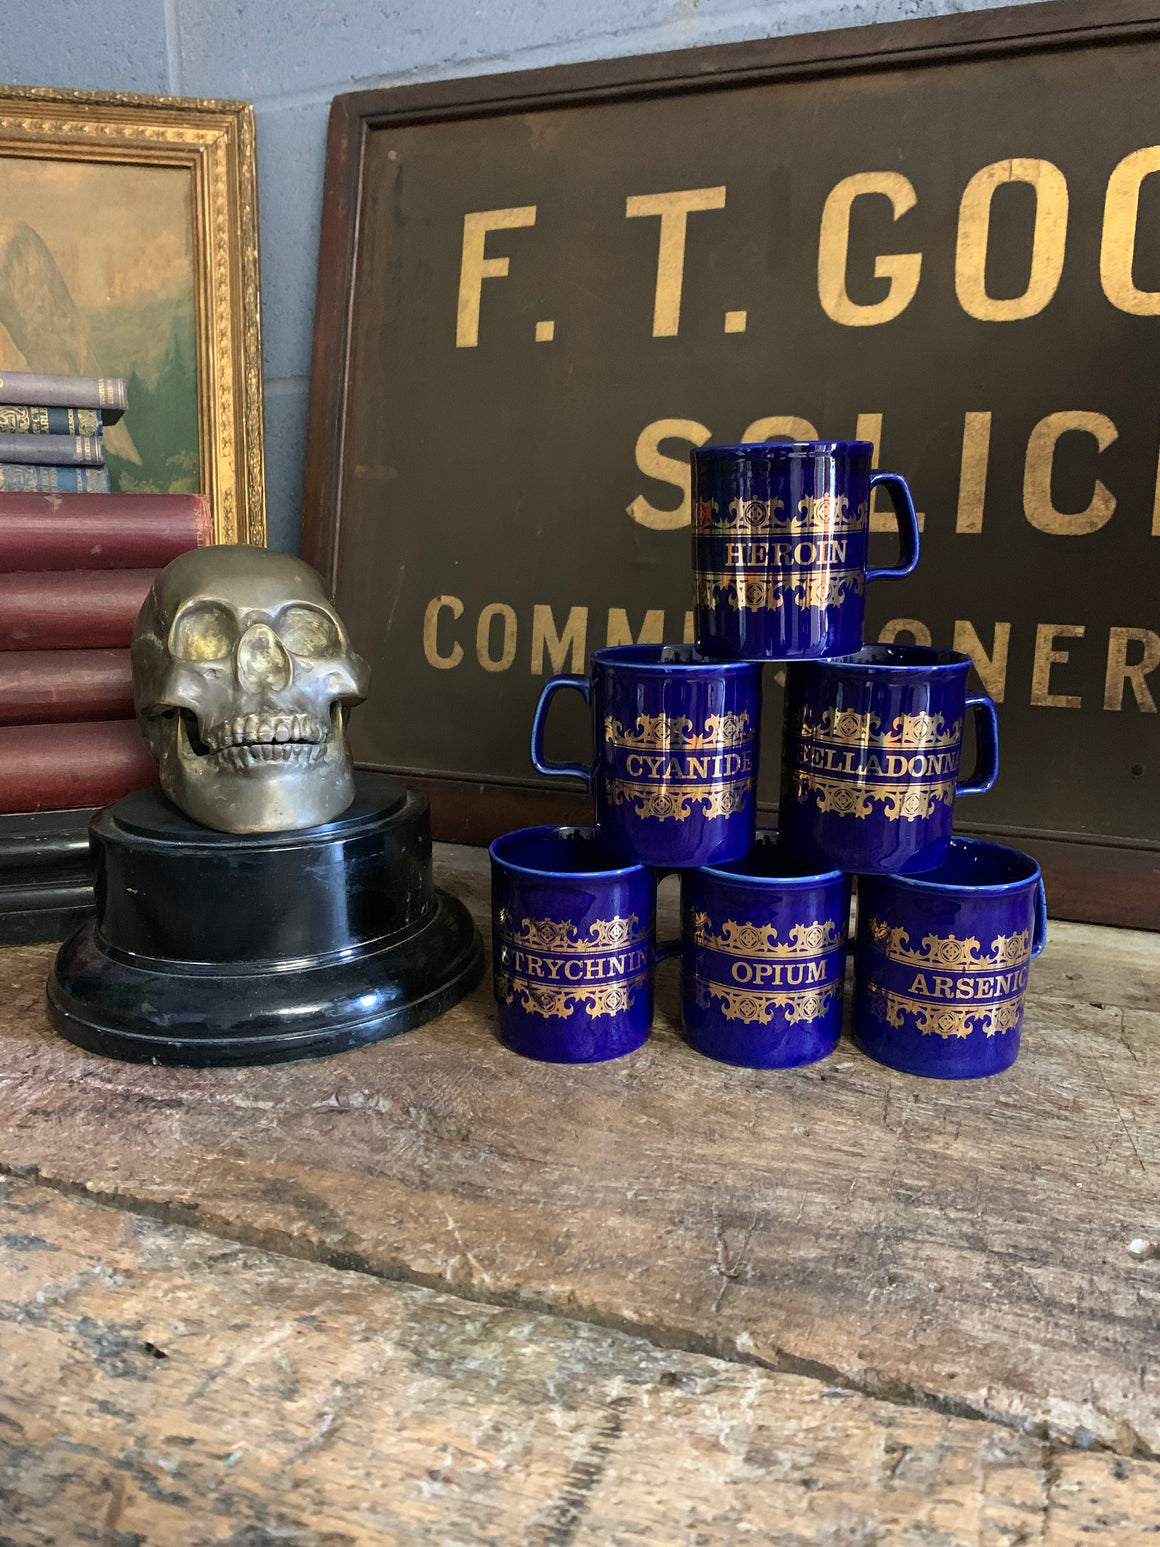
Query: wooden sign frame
{"type": "Point", "coordinates": [1089, 876]}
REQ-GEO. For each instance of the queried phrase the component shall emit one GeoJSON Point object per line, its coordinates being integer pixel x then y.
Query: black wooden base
{"type": "Point", "coordinates": [213, 948]}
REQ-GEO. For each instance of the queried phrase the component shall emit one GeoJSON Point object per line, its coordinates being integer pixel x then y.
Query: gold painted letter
{"type": "Point", "coordinates": [780, 425]}
{"type": "Point", "coordinates": [1120, 670]}
{"type": "Point", "coordinates": [902, 269]}
{"type": "Point", "coordinates": [652, 630]}
{"type": "Point", "coordinates": [1047, 246]}
{"type": "Point", "coordinates": [546, 637]}
{"type": "Point", "coordinates": [475, 268]}
{"type": "Point", "coordinates": [1047, 656]}
{"type": "Point", "coordinates": [488, 661]}
{"type": "Point", "coordinates": [431, 633]}
{"type": "Point", "coordinates": [1118, 247]}
{"type": "Point", "coordinates": [973, 473]}
{"type": "Point", "coordinates": [1037, 506]}
{"type": "Point", "coordinates": [992, 669]}
{"type": "Point", "coordinates": [918, 632]}
{"type": "Point", "coordinates": [674, 210]}
{"type": "Point", "coordinates": [674, 470]}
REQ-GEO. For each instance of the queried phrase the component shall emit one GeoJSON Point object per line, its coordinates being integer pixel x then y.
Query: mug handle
{"type": "Point", "coordinates": [986, 747]}
{"type": "Point", "coordinates": [1039, 934]}
{"type": "Point", "coordinates": [539, 724]}
{"type": "Point", "coordinates": [897, 488]}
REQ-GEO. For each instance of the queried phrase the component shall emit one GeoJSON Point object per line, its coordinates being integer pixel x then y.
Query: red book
{"type": "Point", "coordinates": [52, 685]}
{"type": "Point", "coordinates": [73, 610]}
{"type": "Point", "coordinates": [55, 767]}
{"type": "Point", "coordinates": [100, 531]}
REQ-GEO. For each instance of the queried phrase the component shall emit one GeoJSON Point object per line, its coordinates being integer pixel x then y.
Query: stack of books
{"type": "Point", "coordinates": [74, 570]}
{"type": "Point", "coordinates": [52, 431]}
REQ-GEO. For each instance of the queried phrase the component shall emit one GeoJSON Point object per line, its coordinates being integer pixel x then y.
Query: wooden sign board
{"type": "Point", "coordinates": [537, 291]}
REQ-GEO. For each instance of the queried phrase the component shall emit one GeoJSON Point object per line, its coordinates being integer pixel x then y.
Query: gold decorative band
{"type": "Point", "coordinates": [551, 1001]}
{"type": "Point", "coordinates": [676, 734]}
{"type": "Point", "coordinates": [898, 801]}
{"type": "Point", "coordinates": [945, 1020]}
{"type": "Point", "coordinates": [820, 514]}
{"type": "Point", "coordinates": [948, 951]}
{"type": "Point", "coordinates": [756, 1007]}
{"type": "Point", "coordinates": [848, 728]}
{"type": "Point", "coordinates": [552, 935]}
{"type": "Point", "coordinates": [755, 591]}
{"type": "Point", "coordinates": [678, 801]}
{"type": "Point", "coordinates": [741, 939]}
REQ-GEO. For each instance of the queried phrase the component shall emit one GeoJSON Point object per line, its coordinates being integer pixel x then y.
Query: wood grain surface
{"type": "Point", "coordinates": [160, 1386]}
{"type": "Point", "coordinates": [956, 1249]}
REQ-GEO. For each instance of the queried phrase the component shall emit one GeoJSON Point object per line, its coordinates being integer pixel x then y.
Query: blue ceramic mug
{"type": "Point", "coordinates": [870, 757]}
{"type": "Point", "coordinates": [675, 767]}
{"type": "Point", "coordinates": [573, 946]}
{"type": "Point", "coordinates": [763, 958]}
{"type": "Point", "coordinates": [941, 961]}
{"type": "Point", "coordinates": [780, 538]}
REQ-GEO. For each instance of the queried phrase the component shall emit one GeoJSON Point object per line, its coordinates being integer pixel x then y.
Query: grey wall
{"type": "Point", "coordinates": [290, 60]}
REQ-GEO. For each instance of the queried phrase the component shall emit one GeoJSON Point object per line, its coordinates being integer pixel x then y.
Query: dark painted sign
{"type": "Point", "coordinates": [552, 301]}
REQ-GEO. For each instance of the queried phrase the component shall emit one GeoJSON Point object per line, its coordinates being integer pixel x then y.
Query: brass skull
{"type": "Point", "coordinates": [243, 677]}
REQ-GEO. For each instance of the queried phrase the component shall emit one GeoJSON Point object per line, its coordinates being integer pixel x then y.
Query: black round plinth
{"type": "Point", "coordinates": [216, 948]}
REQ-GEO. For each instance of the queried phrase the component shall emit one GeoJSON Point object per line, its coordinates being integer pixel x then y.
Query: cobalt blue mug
{"type": "Point", "coordinates": [870, 757]}
{"type": "Point", "coordinates": [573, 946]}
{"type": "Point", "coordinates": [763, 958]}
{"type": "Point", "coordinates": [780, 538]}
{"type": "Point", "coordinates": [941, 961]}
{"type": "Point", "coordinates": [675, 769]}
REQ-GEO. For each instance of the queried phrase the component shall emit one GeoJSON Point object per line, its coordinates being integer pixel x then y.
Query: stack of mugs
{"type": "Point", "coordinates": [871, 744]}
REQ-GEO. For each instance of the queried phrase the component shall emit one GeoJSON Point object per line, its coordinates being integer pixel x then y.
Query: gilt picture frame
{"type": "Point", "coordinates": [129, 247]}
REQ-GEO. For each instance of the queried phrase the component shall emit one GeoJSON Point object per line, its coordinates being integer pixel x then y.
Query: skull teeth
{"type": "Point", "coordinates": [290, 732]}
{"type": "Point", "coordinates": [258, 752]}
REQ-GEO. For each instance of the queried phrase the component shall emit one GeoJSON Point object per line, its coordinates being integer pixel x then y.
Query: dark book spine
{"type": "Point", "coordinates": [104, 392]}
{"type": "Point", "coordinates": [48, 686]}
{"type": "Point", "coordinates": [53, 450]}
{"type": "Point", "coordinates": [74, 610]}
{"type": "Point", "coordinates": [51, 845]}
{"type": "Point", "coordinates": [100, 531]}
{"type": "Point", "coordinates": [58, 767]}
{"type": "Point", "coordinates": [38, 419]}
{"type": "Point", "coordinates": [27, 478]}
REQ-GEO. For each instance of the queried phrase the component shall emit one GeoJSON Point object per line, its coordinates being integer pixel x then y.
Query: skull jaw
{"type": "Point", "coordinates": [267, 798]}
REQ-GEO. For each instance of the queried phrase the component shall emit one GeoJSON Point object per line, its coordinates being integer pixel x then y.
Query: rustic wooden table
{"type": "Point", "coordinates": [432, 1293]}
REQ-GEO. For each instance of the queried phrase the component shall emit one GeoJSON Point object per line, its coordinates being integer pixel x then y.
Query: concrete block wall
{"type": "Point", "coordinates": [290, 60]}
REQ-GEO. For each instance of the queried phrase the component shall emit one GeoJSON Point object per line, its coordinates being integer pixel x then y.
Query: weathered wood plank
{"type": "Point", "coordinates": [160, 1387]}
{"type": "Point", "coordinates": [961, 1243]}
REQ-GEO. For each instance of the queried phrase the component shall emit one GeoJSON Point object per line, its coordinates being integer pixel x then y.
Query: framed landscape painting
{"type": "Point", "coordinates": [128, 247]}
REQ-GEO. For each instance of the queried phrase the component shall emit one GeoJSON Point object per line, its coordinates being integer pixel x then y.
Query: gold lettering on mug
{"type": "Point", "coordinates": [854, 765]}
{"type": "Point", "coordinates": [554, 969]}
{"type": "Point", "coordinates": [765, 974]}
{"type": "Point", "coordinates": [978, 990]}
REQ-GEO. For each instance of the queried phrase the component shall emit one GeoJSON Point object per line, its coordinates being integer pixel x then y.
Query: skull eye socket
{"type": "Point", "coordinates": [309, 632]}
{"type": "Point", "coordinates": [204, 633]}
